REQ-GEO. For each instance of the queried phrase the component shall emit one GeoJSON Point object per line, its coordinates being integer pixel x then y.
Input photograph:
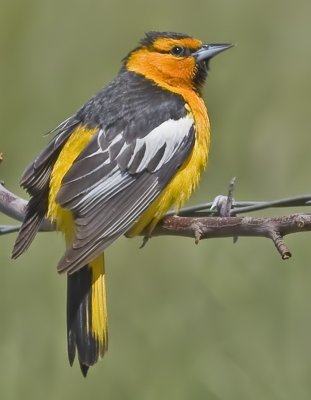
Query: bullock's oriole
{"type": "Point", "coordinates": [115, 167]}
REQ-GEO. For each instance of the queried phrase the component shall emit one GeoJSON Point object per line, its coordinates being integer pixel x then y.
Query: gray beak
{"type": "Point", "coordinates": [207, 51]}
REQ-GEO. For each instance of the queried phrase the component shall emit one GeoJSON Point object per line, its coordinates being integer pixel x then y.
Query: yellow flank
{"type": "Point", "coordinates": [71, 150]}
{"type": "Point", "coordinates": [64, 219]}
{"type": "Point", "coordinates": [99, 308]}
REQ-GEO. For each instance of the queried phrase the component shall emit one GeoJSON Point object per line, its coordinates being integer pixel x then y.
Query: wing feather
{"type": "Point", "coordinates": [108, 194]}
{"type": "Point", "coordinates": [92, 236]}
{"type": "Point", "coordinates": [37, 174]}
{"type": "Point", "coordinates": [36, 180]}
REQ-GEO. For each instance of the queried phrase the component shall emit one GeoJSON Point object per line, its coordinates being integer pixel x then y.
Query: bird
{"type": "Point", "coordinates": [115, 167]}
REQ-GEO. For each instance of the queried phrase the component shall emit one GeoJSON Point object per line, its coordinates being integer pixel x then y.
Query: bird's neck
{"type": "Point", "coordinates": [181, 87]}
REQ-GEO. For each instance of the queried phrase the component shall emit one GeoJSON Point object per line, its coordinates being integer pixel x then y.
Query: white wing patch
{"type": "Point", "coordinates": [170, 134]}
{"type": "Point", "coordinates": [109, 186]}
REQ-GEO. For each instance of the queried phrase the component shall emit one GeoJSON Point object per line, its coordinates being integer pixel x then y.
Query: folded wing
{"type": "Point", "coordinates": [114, 180]}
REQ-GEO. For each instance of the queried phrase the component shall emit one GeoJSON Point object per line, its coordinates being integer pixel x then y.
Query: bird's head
{"type": "Point", "coordinates": [173, 60]}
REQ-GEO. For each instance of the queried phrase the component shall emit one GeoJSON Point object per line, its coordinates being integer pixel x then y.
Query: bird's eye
{"type": "Point", "coordinates": [178, 51]}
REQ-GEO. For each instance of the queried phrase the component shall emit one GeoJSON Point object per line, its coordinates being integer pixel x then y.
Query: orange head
{"type": "Point", "coordinates": [173, 60]}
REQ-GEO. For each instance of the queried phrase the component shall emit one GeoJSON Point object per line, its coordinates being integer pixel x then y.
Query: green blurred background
{"type": "Point", "coordinates": [214, 321]}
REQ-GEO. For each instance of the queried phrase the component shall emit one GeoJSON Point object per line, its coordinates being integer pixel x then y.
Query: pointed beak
{"type": "Point", "coordinates": [207, 51]}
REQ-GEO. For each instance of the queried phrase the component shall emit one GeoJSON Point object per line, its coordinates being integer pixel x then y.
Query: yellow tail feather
{"type": "Point", "coordinates": [98, 324]}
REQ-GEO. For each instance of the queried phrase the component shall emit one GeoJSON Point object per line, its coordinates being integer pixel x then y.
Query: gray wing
{"type": "Point", "coordinates": [36, 180]}
{"type": "Point", "coordinates": [114, 181]}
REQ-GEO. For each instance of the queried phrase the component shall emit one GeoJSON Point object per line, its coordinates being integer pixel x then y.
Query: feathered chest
{"type": "Point", "coordinates": [144, 149]}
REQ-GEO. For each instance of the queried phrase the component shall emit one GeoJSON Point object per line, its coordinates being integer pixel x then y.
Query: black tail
{"type": "Point", "coordinates": [87, 315]}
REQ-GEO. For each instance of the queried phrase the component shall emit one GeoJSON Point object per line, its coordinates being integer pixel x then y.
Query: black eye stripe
{"type": "Point", "coordinates": [180, 51]}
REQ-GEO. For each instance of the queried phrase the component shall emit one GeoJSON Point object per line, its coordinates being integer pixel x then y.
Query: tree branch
{"type": "Point", "coordinates": [196, 226]}
{"type": "Point", "coordinates": [199, 228]}
{"type": "Point", "coordinates": [15, 207]}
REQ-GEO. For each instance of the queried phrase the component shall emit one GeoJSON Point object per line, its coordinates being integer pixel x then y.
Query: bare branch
{"type": "Point", "coordinates": [4, 229]}
{"type": "Point", "coordinates": [197, 226]}
{"type": "Point", "coordinates": [15, 207]}
{"type": "Point", "coordinates": [12, 205]}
